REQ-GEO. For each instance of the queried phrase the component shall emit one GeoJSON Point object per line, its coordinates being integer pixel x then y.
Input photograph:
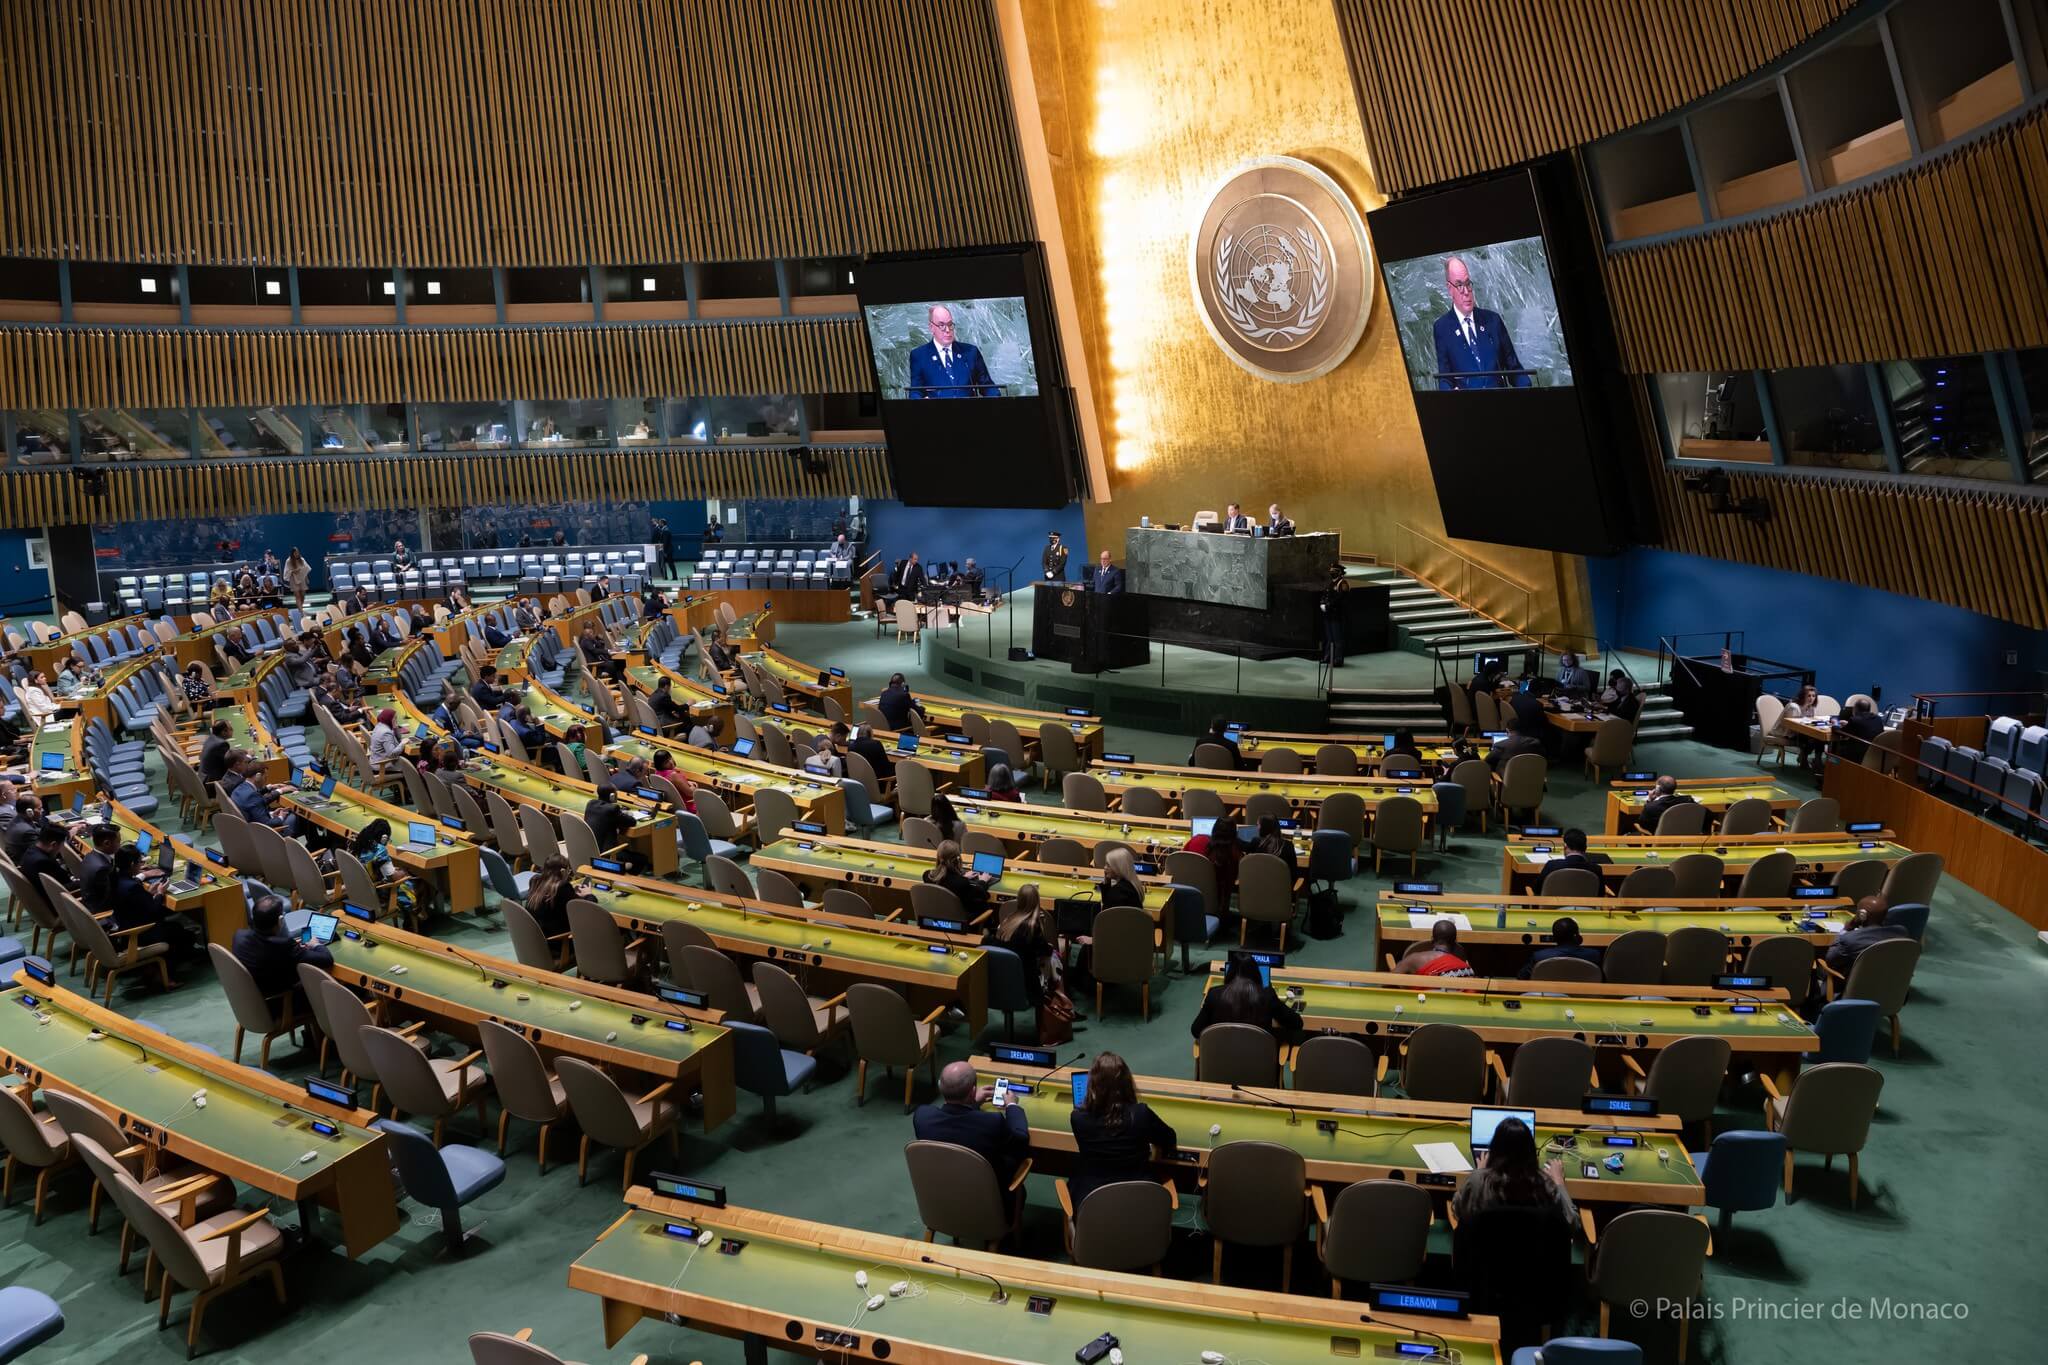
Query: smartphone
{"type": "Point", "coordinates": [1002, 1095]}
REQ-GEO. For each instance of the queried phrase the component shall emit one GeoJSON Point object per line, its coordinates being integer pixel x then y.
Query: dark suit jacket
{"type": "Point", "coordinates": [1105, 1154]}
{"type": "Point", "coordinates": [1280, 1017]}
{"type": "Point", "coordinates": [1654, 808]}
{"type": "Point", "coordinates": [1575, 680]}
{"type": "Point", "coordinates": [1518, 743]}
{"type": "Point", "coordinates": [1053, 560]}
{"type": "Point", "coordinates": [1852, 741]}
{"type": "Point", "coordinates": [870, 748]}
{"type": "Point", "coordinates": [1239, 524]}
{"type": "Point", "coordinates": [896, 704]}
{"type": "Point", "coordinates": [1582, 952]}
{"type": "Point", "coordinates": [1589, 861]}
{"type": "Point", "coordinates": [608, 822]}
{"type": "Point", "coordinates": [1844, 951]}
{"type": "Point", "coordinates": [1282, 527]}
{"type": "Point", "coordinates": [1001, 1135]}
{"type": "Point", "coordinates": [213, 758]}
{"type": "Point", "coordinates": [1461, 365]}
{"type": "Point", "coordinates": [966, 377]}
{"type": "Point", "coordinates": [274, 962]}
{"type": "Point", "coordinates": [913, 580]}
{"type": "Point", "coordinates": [96, 881]}
{"type": "Point", "coordinates": [35, 864]}
{"type": "Point", "coordinates": [1109, 580]}
{"type": "Point", "coordinates": [1236, 756]}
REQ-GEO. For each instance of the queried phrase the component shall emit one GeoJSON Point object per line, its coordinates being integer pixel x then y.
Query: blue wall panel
{"type": "Point", "coordinates": [994, 536]}
{"type": "Point", "coordinates": [1851, 636]}
{"type": "Point", "coordinates": [23, 591]}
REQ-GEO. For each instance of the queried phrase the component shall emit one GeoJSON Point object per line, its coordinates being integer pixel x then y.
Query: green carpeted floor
{"type": "Point", "coordinates": [1949, 1219]}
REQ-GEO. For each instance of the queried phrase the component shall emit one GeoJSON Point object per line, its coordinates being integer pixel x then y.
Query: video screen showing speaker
{"type": "Point", "coordinates": [953, 348]}
{"type": "Point", "coordinates": [1482, 317]}
{"type": "Point", "coordinates": [973, 394]}
{"type": "Point", "coordinates": [1494, 288]}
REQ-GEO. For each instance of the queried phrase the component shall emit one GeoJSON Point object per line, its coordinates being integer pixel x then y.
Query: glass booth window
{"type": "Point", "coordinates": [1715, 415]}
{"type": "Point", "coordinates": [42, 437]}
{"type": "Point", "coordinates": [1826, 417]}
{"type": "Point", "coordinates": [121, 434]}
{"type": "Point", "coordinates": [465, 426]}
{"type": "Point", "coordinates": [765, 418]}
{"type": "Point", "coordinates": [564, 423]}
{"type": "Point", "coordinates": [1945, 419]}
{"type": "Point", "coordinates": [230, 433]}
{"type": "Point", "coordinates": [638, 421]}
{"type": "Point", "coordinates": [2031, 394]}
{"type": "Point", "coordinates": [686, 421]}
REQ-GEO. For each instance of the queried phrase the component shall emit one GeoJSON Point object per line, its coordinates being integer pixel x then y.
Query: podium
{"type": "Point", "coordinates": [1088, 631]}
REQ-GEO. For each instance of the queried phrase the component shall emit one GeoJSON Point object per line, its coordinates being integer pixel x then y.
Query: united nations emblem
{"type": "Point", "coordinates": [1067, 597]}
{"type": "Point", "coordinates": [1281, 269]}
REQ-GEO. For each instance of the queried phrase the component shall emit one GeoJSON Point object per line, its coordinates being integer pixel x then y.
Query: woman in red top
{"type": "Point", "coordinates": [1224, 852]}
{"type": "Point", "coordinates": [1002, 784]}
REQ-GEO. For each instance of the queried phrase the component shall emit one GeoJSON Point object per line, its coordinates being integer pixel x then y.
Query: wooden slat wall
{"type": "Point", "coordinates": [56, 497]}
{"type": "Point", "coordinates": [1986, 552]}
{"type": "Point", "coordinates": [58, 367]}
{"type": "Point", "coordinates": [1447, 88]}
{"type": "Point", "coordinates": [1945, 259]}
{"type": "Point", "coordinates": [503, 132]}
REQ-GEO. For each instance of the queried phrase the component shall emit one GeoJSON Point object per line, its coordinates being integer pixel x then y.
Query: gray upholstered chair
{"type": "Point", "coordinates": [526, 1088]}
{"type": "Point", "coordinates": [1057, 751]}
{"type": "Point", "coordinates": [531, 944]}
{"type": "Point", "coordinates": [252, 1009]}
{"type": "Point", "coordinates": [1827, 1113]}
{"type": "Point", "coordinates": [1126, 1225]}
{"type": "Point", "coordinates": [717, 977]}
{"type": "Point", "coordinates": [1687, 817]}
{"type": "Point", "coordinates": [1281, 760]}
{"type": "Point", "coordinates": [1882, 974]}
{"type": "Point", "coordinates": [1864, 877]}
{"type": "Point", "coordinates": [1769, 877]}
{"type": "Point", "coordinates": [1785, 960]}
{"type": "Point", "coordinates": [36, 1141]}
{"type": "Point", "coordinates": [1082, 791]}
{"type": "Point", "coordinates": [1446, 1063]}
{"type": "Point", "coordinates": [429, 1087]}
{"type": "Point", "coordinates": [1694, 955]}
{"type": "Point", "coordinates": [1750, 815]}
{"type": "Point", "coordinates": [1122, 954]}
{"type": "Point", "coordinates": [886, 1034]}
{"type": "Point", "coordinates": [1816, 815]}
{"type": "Point", "coordinates": [1256, 1194]}
{"type": "Point", "coordinates": [959, 1194]}
{"type": "Point", "coordinates": [1265, 893]}
{"type": "Point", "coordinates": [1686, 1077]}
{"type": "Point", "coordinates": [609, 1116]}
{"type": "Point", "coordinates": [799, 1022]}
{"type": "Point", "coordinates": [1913, 879]}
{"type": "Point", "coordinates": [1377, 1232]}
{"type": "Point", "coordinates": [1397, 828]}
{"type": "Point", "coordinates": [1651, 1255]}
{"type": "Point", "coordinates": [1635, 958]}
{"type": "Point", "coordinates": [1336, 760]}
{"type": "Point", "coordinates": [1335, 1064]}
{"type": "Point", "coordinates": [1237, 1054]}
{"type": "Point", "coordinates": [1699, 876]}
{"type": "Point", "coordinates": [1565, 968]}
{"type": "Point", "coordinates": [1648, 883]}
{"type": "Point", "coordinates": [1574, 882]}
{"type": "Point", "coordinates": [1061, 853]}
{"type": "Point", "coordinates": [1143, 801]}
{"type": "Point", "coordinates": [1549, 1073]}
{"type": "Point", "coordinates": [602, 953]}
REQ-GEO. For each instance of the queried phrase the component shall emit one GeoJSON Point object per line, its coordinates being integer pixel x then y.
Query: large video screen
{"type": "Point", "coordinates": [973, 395]}
{"type": "Point", "coordinates": [1495, 291]}
{"type": "Point", "coordinates": [1482, 317]}
{"type": "Point", "coordinates": [953, 348]}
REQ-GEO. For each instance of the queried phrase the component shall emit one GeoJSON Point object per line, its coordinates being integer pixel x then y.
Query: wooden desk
{"type": "Point", "coordinates": [452, 864]}
{"type": "Point", "coordinates": [1023, 828]}
{"type": "Point", "coordinates": [1522, 860]}
{"type": "Point", "coordinates": [1367, 749]}
{"type": "Point", "coordinates": [56, 787]}
{"type": "Point", "coordinates": [44, 657]}
{"type": "Point", "coordinates": [884, 874]}
{"type": "Point", "coordinates": [1522, 923]}
{"type": "Point", "coordinates": [737, 779]}
{"type": "Point", "coordinates": [944, 713]}
{"type": "Point", "coordinates": [253, 1130]}
{"type": "Point", "coordinates": [953, 765]}
{"type": "Point", "coordinates": [1375, 1138]}
{"type": "Point", "coordinates": [215, 900]}
{"type": "Point", "coordinates": [934, 968]}
{"type": "Point", "coordinates": [802, 679]}
{"type": "Point", "coordinates": [652, 835]}
{"type": "Point", "coordinates": [1625, 800]}
{"type": "Point", "coordinates": [560, 1015]}
{"type": "Point", "coordinates": [1304, 794]}
{"type": "Point", "coordinates": [798, 1276]}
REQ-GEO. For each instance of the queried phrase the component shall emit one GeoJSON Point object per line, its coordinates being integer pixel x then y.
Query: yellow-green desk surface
{"type": "Point", "coordinates": [945, 713]}
{"type": "Point", "coordinates": [1525, 857]}
{"type": "Point", "coordinates": [253, 1128]}
{"type": "Point", "coordinates": [1021, 825]}
{"type": "Point", "coordinates": [1235, 787]}
{"type": "Point", "coordinates": [1526, 920]}
{"type": "Point", "coordinates": [897, 867]}
{"type": "Point", "coordinates": [1386, 1004]}
{"type": "Point", "coordinates": [558, 1014]}
{"type": "Point", "coordinates": [794, 1273]}
{"type": "Point", "coordinates": [1374, 1139]}
{"type": "Point", "coordinates": [952, 966]}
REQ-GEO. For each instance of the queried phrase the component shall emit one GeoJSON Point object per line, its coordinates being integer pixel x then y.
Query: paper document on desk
{"type": "Point", "coordinates": [1539, 858]}
{"type": "Point", "coordinates": [1442, 1157]}
{"type": "Point", "coordinates": [1423, 919]}
{"type": "Point", "coordinates": [1833, 926]}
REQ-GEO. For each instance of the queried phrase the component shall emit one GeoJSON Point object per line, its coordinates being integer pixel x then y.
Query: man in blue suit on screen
{"type": "Point", "coordinates": [1473, 348]}
{"type": "Point", "coordinates": [946, 368]}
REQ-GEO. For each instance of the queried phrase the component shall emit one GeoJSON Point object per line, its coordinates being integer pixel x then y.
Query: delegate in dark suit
{"type": "Point", "coordinates": [1109, 578]}
{"type": "Point", "coordinates": [1472, 361]}
{"type": "Point", "coordinates": [961, 373]}
{"type": "Point", "coordinates": [1001, 1135]}
{"type": "Point", "coordinates": [273, 960]}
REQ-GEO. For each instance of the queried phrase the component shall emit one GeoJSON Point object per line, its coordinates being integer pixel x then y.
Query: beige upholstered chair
{"type": "Point", "coordinates": [958, 1194]}
{"type": "Point", "coordinates": [431, 1087]}
{"type": "Point", "coordinates": [526, 1088]}
{"type": "Point", "coordinates": [1827, 1113]}
{"type": "Point", "coordinates": [885, 1034]}
{"type": "Point", "coordinates": [1256, 1194]}
{"type": "Point", "coordinates": [607, 1115]}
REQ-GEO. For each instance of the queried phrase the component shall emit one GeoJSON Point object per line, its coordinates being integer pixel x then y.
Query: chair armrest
{"type": "Point", "coordinates": [1710, 1231]}
{"type": "Point", "coordinates": [1065, 1195]}
{"type": "Point", "coordinates": [1586, 1226]}
{"type": "Point", "coordinates": [132, 1149]}
{"type": "Point", "coordinates": [1172, 1194]}
{"type": "Point", "coordinates": [983, 918]}
{"type": "Point", "coordinates": [1500, 1073]}
{"type": "Point", "coordinates": [892, 917]}
{"type": "Point", "coordinates": [1380, 1072]}
{"type": "Point", "coordinates": [833, 1003]}
{"type": "Point", "coordinates": [933, 1017]}
{"type": "Point", "coordinates": [178, 1189]}
{"type": "Point", "coordinates": [523, 1334]}
{"type": "Point", "coordinates": [1322, 1205]}
{"type": "Point", "coordinates": [562, 937]}
{"type": "Point", "coordinates": [656, 1093]}
{"type": "Point", "coordinates": [1390, 961]}
{"type": "Point", "coordinates": [253, 1216]}
{"type": "Point", "coordinates": [1770, 1086]}
{"type": "Point", "coordinates": [131, 933]}
{"type": "Point", "coordinates": [411, 1029]}
{"type": "Point", "coordinates": [1634, 1066]}
{"type": "Point", "coordinates": [469, 1058]}
{"type": "Point", "coordinates": [1017, 1180]}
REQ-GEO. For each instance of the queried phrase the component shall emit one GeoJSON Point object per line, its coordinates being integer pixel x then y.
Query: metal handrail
{"type": "Point", "coordinates": [1465, 565]}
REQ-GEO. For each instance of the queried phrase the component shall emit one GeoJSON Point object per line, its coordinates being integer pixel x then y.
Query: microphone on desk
{"type": "Point", "coordinates": [1057, 1066]}
{"type": "Point", "coordinates": [1293, 1118]}
{"type": "Point", "coordinates": [1000, 1296]}
{"type": "Point", "coordinates": [481, 973]}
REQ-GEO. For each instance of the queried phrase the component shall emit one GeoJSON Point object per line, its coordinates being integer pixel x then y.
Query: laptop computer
{"type": "Point", "coordinates": [988, 864]}
{"type": "Point", "coordinates": [189, 882]}
{"type": "Point", "coordinates": [55, 761]}
{"type": "Point", "coordinates": [1202, 824]}
{"type": "Point", "coordinates": [743, 748]}
{"type": "Point", "coordinates": [319, 929]}
{"type": "Point", "coordinates": [1485, 1119]}
{"type": "Point", "coordinates": [906, 743]}
{"type": "Point", "coordinates": [419, 833]}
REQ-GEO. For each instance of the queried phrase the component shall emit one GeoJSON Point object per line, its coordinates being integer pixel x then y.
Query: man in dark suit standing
{"type": "Point", "coordinates": [1001, 1135]}
{"type": "Point", "coordinates": [1108, 577]}
{"type": "Point", "coordinates": [948, 368]}
{"type": "Point", "coordinates": [913, 577]}
{"type": "Point", "coordinates": [1473, 348]}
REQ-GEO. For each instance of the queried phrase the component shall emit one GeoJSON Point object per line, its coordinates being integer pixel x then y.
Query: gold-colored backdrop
{"type": "Point", "coordinates": [1147, 104]}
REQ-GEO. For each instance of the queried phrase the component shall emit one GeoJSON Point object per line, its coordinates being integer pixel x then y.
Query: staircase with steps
{"type": "Point", "coordinates": [1424, 618]}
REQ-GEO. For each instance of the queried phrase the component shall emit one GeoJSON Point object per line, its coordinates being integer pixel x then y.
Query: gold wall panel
{"type": "Point", "coordinates": [1944, 259]}
{"type": "Point", "coordinates": [502, 132]}
{"type": "Point", "coordinates": [1447, 88]}
{"type": "Point", "coordinates": [55, 497]}
{"type": "Point", "coordinates": [88, 367]}
{"type": "Point", "coordinates": [1985, 552]}
{"type": "Point", "coordinates": [1146, 105]}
